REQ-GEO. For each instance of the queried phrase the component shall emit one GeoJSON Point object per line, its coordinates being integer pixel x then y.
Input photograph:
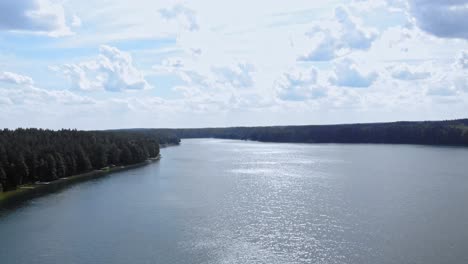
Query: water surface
{"type": "Point", "coordinates": [226, 201]}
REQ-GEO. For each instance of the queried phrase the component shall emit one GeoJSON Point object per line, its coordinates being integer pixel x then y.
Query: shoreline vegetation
{"type": "Point", "coordinates": [23, 193]}
{"type": "Point", "coordinates": [443, 133]}
{"type": "Point", "coordinates": [29, 191]}
{"type": "Point", "coordinates": [32, 158]}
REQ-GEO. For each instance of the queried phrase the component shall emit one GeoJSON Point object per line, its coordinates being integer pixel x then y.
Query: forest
{"type": "Point", "coordinates": [452, 132]}
{"type": "Point", "coordinates": [36, 155]}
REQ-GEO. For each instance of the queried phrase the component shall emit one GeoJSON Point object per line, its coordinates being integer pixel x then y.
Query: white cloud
{"type": "Point", "coordinates": [37, 16]}
{"type": "Point", "coordinates": [372, 5]}
{"type": "Point", "coordinates": [441, 89]}
{"type": "Point", "coordinates": [172, 63]}
{"type": "Point", "coordinates": [186, 16]}
{"type": "Point", "coordinates": [407, 73]}
{"type": "Point", "coordinates": [450, 80]}
{"type": "Point", "coordinates": [5, 101]}
{"type": "Point", "coordinates": [113, 70]}
{"type": "Point", "coordinates": [182, 69]}
{"type": "Point", "coordinates": [23, 92]}
{"type": "Point", "coordinates": [14, 78]}
{"type": "Point", "coordinates": [463, 59]}
{"type": "Point", "coordinates": [348, 35]}
{"type": "Point", "coordinates": [326, 49]}
{"type": "Point", "coordinates": [354, 36]}
{"type": "Point", "coordinates": [238, 75]}
{"type": "Point", "coordinates": [76, 21]}
{"type": "Point", "coordinates": [234, 63]}
{"type": "Point", "coordinates": [300, 85]}
{"type": "Point", "coordinates": [346, 73]}
{"type": "Point", "coordinates": [446, 19]}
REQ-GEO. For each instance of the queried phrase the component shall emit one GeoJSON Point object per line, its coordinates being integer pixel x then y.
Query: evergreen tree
{"type": "Point", "coordinates": [32, 163]}
{"type": "Point", "coordinates": [60, 165]}
{"type": "Point", "coordinates": [3, 178]}
{"type": "Point", "coordinates": [42, 170]}
{"type": "Point", "coordinates": [100, 160]}
{"type": "Point", "coordinates": [21, 170]}
{"type": "Point", "coordinates": [114, 155]}
{"type": "Point", "coordinates": [3, 155]}
{"type": "Point", "coordinates": [70, 165]}
{"type": "Point", "coordinates": [126, 156]}
{"type": "Point", "coordinates": [30, 155]}
{"type": "Point", "coordinates": [83, 163]}
{"type": "Point", "coordinates": [51, 168]}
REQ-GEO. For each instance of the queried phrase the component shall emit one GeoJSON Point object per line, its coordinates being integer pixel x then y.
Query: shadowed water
{"type": "Point", "coordinates": [224, 201]}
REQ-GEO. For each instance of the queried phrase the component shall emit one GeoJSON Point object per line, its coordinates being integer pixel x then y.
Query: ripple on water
{"type": "Point", "coordinates": [221, 201]}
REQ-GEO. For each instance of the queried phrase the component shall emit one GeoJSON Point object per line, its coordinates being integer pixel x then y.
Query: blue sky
{"type": "Point", "coordinates": [200, 63]}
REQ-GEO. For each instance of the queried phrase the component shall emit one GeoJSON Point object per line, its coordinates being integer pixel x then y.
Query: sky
{"type": "Point", "coordinates": [151, 63]}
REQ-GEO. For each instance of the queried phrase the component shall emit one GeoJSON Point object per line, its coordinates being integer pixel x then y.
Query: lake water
{"type": "Point", "coordinates": [226, 201]}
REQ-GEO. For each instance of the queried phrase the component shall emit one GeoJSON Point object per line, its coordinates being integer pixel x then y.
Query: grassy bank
{"type": "Point", "coordinates": [29, 191]}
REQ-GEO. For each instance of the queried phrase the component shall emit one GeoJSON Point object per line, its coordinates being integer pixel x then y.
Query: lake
{"type": "Point", "coordinates": [228, 201]}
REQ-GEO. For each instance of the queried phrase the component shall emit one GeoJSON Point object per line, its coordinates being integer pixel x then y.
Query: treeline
{"type": "Point", "coordinates": [454, 132]}
{"type": "Point", "coordinates": [165, 137]}
{"type": "Point", "coordinates": [32, 155]}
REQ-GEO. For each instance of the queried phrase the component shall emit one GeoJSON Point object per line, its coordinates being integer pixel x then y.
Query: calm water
{"type": "Point", "coordinates": [222, 201]}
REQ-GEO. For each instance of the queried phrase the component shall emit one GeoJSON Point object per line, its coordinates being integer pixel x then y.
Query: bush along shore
{"type": "Point", "coordinates": [29, 191]}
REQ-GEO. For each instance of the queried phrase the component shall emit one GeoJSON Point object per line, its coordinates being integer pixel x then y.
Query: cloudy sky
{"type": "Point", "coordinates": [199, 63]}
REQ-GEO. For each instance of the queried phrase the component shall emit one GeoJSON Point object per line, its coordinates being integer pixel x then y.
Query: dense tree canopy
{"type": "Point", "coordinates": [454, 132]}
{"type": "Point", "coordinates": [31, 155]}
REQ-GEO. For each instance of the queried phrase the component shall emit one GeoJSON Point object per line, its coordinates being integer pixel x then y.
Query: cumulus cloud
{"type": "Point", "coordinates": [175, 63]}
{"type": "Point", "coordinates": [300, 85]}
{"type": "Point", "coordinates": [446, 19]}
{"type": "Point", "coordinates": [347, 37]}
{"type": "Point", "coordinates": [451, 81]}
{"type": "Point", "coordinates": [5, 101]}
{"type": "Point", "coordinates": [407, 73]}
{"type": "Point", "coordinates": [235, 75]}
{"type": "Point", "coordinates": [441, 89]}
{"type": "Point", "coordinates": [76, 21]}
{"type": "Point", "coordinates": [37, 16]}
{"type": "Point", "coordinates": [353, 36]}
{"type": "Point", "coordinates": [182, 13]}
{"type": "Point", "coordinates": [26, 93]}
{"type": "Point", "coordinates": [181, 69]}
{"type": "Point", "coordinates": [372, 5]}
{"type": "Point", "coordinates": [463, 59]}
{"type": "Point", "coordinates": [169, 65]}
{"type": "Point", "coordinates": [113, 70]}
{"type": "Point", "coordinates": [34, 95]}
{"type": "Point", "coordinates": [14, 78]}
{"type": "Point", "coordinates": [239, 75]}
{"type": "Point", "coordinates": [346, 73]}
{"type": "Point", "coordinates": [325, 50]}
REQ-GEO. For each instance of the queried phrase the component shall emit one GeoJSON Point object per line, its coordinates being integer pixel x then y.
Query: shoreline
{"type": "Point", "coordinates": [29, 191]}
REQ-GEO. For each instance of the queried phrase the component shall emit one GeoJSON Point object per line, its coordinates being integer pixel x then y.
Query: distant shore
{"type": "Point", "coordinates": [29, 191]}
{"type": "Point", "coordinates": [442, 133]}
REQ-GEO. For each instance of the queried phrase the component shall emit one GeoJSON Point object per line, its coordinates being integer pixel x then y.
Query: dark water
{"type": "Point", "coordinates": [221, 201]}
